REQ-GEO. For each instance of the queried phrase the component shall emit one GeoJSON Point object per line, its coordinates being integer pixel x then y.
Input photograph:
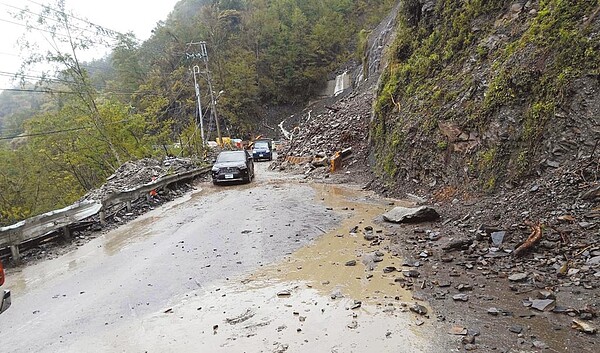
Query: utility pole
{"type": "Point", "coordinates": [196, 70]}
{"type": "Point", "coordinates": [213, 105]}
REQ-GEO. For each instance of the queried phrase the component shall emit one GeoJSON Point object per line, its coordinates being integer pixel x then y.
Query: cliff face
{"type": "Point", "coordinates": [479, 95]}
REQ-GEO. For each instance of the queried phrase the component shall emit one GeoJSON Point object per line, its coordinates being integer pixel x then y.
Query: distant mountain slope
{"type": "Point", "coordinates": [17, 106]}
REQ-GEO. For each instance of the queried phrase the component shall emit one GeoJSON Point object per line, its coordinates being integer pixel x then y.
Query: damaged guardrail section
{"type": "Point", "coordinates": [35, 227]}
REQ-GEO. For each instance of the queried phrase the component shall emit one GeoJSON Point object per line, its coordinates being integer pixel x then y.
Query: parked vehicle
{"type": "Point", "coordinates": [262, 149]}
{"type": "Point", "coordinates": [5, 303]}
{"type": "Point", "coordinates": [233, 166]}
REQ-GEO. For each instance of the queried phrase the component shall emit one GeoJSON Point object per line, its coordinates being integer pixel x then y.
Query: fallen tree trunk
{"type": "Point", "coordinates": [534, 238]}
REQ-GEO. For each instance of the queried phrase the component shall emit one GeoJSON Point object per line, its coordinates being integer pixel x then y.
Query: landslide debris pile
{"type": "Point", "coordinates": [137, 173]}
{"type": "Point", "coordinates": [343, 125]}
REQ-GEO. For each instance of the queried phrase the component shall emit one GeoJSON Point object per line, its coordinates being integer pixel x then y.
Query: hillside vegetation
{"type": "Point", "coordinates": [488, 91]}
{"type": "Point", "coordinates": [140, 101]}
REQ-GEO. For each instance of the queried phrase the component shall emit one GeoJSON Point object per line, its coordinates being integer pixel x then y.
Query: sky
{"type": "Point", "coordinates": [137, 16]}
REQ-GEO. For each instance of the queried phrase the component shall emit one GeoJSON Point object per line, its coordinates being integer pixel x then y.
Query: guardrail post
{"type": "Point", "coordinates": [66, 233]}
{"type": "Point", "coordinates": [16, 255]}
{"type": "Point", "coordinates": [128, 206]}
{"type": "Point", "coordinates": [102, 214]}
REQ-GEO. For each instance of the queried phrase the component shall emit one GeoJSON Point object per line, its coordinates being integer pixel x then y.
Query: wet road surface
{"type": "Point", "coordinates": [203, 274]}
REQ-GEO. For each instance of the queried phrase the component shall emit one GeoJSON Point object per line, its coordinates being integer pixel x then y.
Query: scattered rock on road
{"type": "Point", "coordinates": [419, 309]}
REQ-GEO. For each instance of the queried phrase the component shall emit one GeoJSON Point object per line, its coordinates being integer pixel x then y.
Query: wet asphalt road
{"type": "Point", "coordinates": [181, 277]}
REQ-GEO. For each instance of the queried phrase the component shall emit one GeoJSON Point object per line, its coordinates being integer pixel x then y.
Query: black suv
{"type": "Point", "coordinates": [233, 166]}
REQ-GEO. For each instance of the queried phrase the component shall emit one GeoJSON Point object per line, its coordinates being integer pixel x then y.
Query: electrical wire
{"type": "Point", "coordinates": [58, 131]}
{"type": "Point", "coordinates": [52, 91]}
{"type": "Point", "coordinates": [37, 90]}
{"type": "Point", "coordinates": [36, 28]}
{"type": "Point", "coordinates": [47, 90]}
{"type": "Point", "coordinates": [51, 19]}
{"type": "Point", "coordinates": [106, 29]}
{"type": "Point", "coordinates": [33, 77]}
{"type": "Point", "coordinates": [44, 133]}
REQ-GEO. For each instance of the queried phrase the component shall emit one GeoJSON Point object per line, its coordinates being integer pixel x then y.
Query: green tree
{"type": "Point", "coordinates": [67, 37]}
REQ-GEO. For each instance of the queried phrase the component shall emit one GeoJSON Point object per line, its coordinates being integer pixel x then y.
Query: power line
{"type": "Point", "coordinates": [44, 76]}
{"type": "Point", "coordinates": [52, 91]}
{"type": "Point", "coordinates": [29, 70]}
{"type": "Point", "coordinates": [36, 90]}
{"type": "Point", "coordinates": [50, 18]}
{"type": "Point", "coordinates": [105, 29]}
{"type": "Point", "coordinates": [45, 133]}
{"type": "Point", "coordinates": [38, 29]}
{"type": "Point", "coordinates": [33, 77]}
{"type": "Point", "coordinates": [58, 131]}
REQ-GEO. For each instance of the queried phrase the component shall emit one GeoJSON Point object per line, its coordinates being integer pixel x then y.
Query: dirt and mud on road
{"type": "Point", "coordinates": [277, 265]}
{"type": "Point", "coordinates": [333, 295]}
{"type": "Point", "coordinates": [290, 264]}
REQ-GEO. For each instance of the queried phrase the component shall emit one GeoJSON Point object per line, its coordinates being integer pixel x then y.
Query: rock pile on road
{"type": "Point", "coordinates": [344, 124]}
{"type": "Point", "coordinates": [137, 173]}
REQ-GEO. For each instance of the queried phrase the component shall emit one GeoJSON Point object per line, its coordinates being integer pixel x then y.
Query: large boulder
{"type": "Point", "coordinates": [411, 215]}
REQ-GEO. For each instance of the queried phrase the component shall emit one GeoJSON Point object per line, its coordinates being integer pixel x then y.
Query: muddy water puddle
{"type": "Point", "coordinates": [323, 264]}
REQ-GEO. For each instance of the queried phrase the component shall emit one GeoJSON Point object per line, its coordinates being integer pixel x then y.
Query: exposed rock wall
{"type": "Point", "coordinates": [482, 96]}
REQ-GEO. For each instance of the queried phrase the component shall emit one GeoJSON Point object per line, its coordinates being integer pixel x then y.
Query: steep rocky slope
{"type": "Point", "coordinates": [490, 111]}
{"type": "Point", "coordinates": [489, 92]}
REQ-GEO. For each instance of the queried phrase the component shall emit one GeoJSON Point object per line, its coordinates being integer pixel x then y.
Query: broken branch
{"type": "Point", "coordinates": [534, 238]}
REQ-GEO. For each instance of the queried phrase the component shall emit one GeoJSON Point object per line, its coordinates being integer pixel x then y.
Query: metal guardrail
{"type": "Point", "coordinates": [35, 227]}
{"type": "Point", "coordinates": [134, 194]}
